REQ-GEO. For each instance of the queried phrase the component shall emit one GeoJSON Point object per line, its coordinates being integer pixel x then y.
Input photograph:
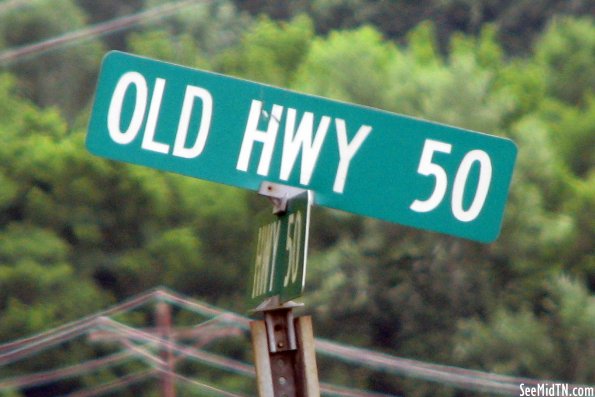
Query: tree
{"type": "Point", "coordinates": [270, 52]}
{"type": "Point", "coordinates": [338, 67]}
{"type": "Point", "coordinates": [59, 78]}
{"type": "Point", "coordinates": [566, 51]}
{"type": "Point", "coordinates": [557, 344]}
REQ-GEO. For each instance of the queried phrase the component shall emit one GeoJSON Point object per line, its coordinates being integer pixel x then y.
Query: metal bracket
{"type": "Point", "coordinates": [279, 323]}
{"type": "Point", "coordinates": [281, 345]}
{"type": "Point", "coordinates": [279, 194]}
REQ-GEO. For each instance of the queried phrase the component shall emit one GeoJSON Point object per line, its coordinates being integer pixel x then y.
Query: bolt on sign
{"type": "Point", "coordinates": [357, 159]}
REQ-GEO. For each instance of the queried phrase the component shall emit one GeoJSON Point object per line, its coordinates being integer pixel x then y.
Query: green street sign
{"type": "Point", "coordinates": [281, 252]}
{"type": "Point", "coordinates": [357, 159]}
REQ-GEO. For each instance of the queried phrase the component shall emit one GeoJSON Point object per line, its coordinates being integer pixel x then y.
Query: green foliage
{"type": "Point", "coordinates": [337, 67]}
{"type": "Point", "coordinates": [57, 78]}
{"type": "Point", "coordinates": [213, 25]}
{"type": "Point", "coordinates": [572, 130]}
{"type": "Point", "coordinates": [558, 345]}
{"type": "Point", "coordinates": [518, 23]}
{"type": "Point", "coordinates": [567, 53]}
{"type": "Point", "coordinates": [516, 343]}
{"type": "Point", "coordinates": [423, 84]}
{"type": "Point", "coordinates": [159, 44]}
{"type": "Point", "coordinates": [271, 52]}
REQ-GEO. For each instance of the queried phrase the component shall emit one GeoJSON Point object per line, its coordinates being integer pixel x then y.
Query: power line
{"type": "Point", "coordinates": [186, 352]}
{"type": "Point", "coordinates": [221, 362]}
{"type": "Point", "coordinates": [452, 376]}
{"type": "Point", "coordinates": [202, 385]}
{"type": "Point", "coordinates": [13, 55]}
{"type": "Point", "coordinates": [189, 352]}
{"type": "Point", "coordinates": [466, 379]}
{"type": "Point", "coordinates": [25, 350]}
{"type": "Point", "coordinates": [45, 377]}
{"type": "Point", "coordinates": [112, 386]}
{"type": "Point", "coordinates": [71, 329]}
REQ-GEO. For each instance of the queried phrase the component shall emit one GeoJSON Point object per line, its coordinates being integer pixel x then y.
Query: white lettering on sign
{"type": "Point", "coordinates": [266, 253]}
{"type": "Point", "coordinates": [253, 134]}
{"type": "Point", "coordinates": [347, 150]}
{"type": "Point", "coordinates": [301, 139]}
{"type": "Point", "coordinates": [115, 108]}
{"type": "Point", "coordinates": [428, 167]}
{"type": "Point", "coordinates": [137, 81]}
{"type": "Point", "coordinates": [180, 148]}
{"type": "Point", "coordinates": [149, 142]}
{"type": "Point", "coordinates": [294, 242]}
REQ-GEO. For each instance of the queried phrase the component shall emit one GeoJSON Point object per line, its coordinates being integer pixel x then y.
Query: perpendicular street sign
{"type": "Point", "coordinates": [281, 251]}
{"type": "Point", "coordinates": [357, 159]}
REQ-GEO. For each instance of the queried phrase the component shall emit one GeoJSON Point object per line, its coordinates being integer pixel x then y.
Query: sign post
{"type": "Point", "coordinates": [283, 346]}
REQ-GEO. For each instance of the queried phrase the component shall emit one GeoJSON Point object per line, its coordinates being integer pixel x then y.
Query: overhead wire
{"type": "Point", "coordinates": [40, 344]}
{"type": "Point", "coordinates": [14, 351]}
{"type": "Point", "coordinates": [128, 304]}
{"type": "Point", "coordinates": [118, 384]}
{"type": "Point", "coordinates": [24, 52]}
{"type": "Point", "coordinates": [218, 361]}
{"type": "Point", "coordinates": [201, 385]}
{"type": "Point", "coordinates": [176, 299]}
{"type": "Point", "coordinates": [76, 327]}
{"type": "Point", "coordinates": [45, 377]}
{"type": "Point", "coordinates": [189, 352]}
{"type": "Point", "coordinates": [474, 380]}
{"type": "Point", "coordinates": [453, 376]}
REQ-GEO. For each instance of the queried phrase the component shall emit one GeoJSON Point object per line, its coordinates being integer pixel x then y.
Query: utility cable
{"type": "Point", "coordinates": [199, 355]}
{"type": "Point", "coordinates": [452, 376]}
{"type": "Point", "coordinates": [13, 55]}
{"type": "Point", "coordinates": [127, 305]}
{"type": "Point", "coordinates": [203, 386]}
{"type": "Point", "coordinates": [19, 349]}
{"type": "Point", "coordinates": [25, 350]}
{"type": "Point", "coordinates": [112, 386]}
{"type": "Point", "coordinates": [215, 360]}
{"type": "Point", "coordinates": [45, 377]}
{"type": "Point", "coordinates": [201, 308]}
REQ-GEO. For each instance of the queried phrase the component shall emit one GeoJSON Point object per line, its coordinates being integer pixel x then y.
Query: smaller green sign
{"type": "Point", "coordinates": [281, 251]}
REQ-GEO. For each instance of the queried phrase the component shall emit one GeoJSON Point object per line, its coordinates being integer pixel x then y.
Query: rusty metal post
{"type": "Point", "coordinates": [284, 355]}
{"type": "Point", "coordinates": [306, 360]}
{"type": "Point", "coordinates": [163, 319]}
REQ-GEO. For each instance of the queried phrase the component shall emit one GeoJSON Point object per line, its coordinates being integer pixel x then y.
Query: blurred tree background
{"type": "Point", "coordinates": [78, 233]}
